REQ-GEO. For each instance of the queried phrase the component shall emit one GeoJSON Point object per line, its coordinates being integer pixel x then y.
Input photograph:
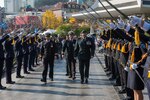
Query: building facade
{"type": "Point", "coordinates": [31, 2]}
{"type": "Point", "coordinates": [61, 9]}
{"type": "Point", "coordinates": [79, 1]}
{"type": "Point", "coordinates": [12, 6]}
{"type": "Point", "coordinates": [90, 2]}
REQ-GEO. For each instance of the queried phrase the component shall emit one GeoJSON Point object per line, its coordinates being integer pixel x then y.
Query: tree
{"type": "Point", "coordinates": [50, 21]}
{"type": "Point", "coordinates": [63, 29]}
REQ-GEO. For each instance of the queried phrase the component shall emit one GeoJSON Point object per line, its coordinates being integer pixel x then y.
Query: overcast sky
{"type": "Point", "coordinates": [2, 3]}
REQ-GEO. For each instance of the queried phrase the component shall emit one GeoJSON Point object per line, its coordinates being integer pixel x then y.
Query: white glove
{"type": "Point", "coordinates": [135, 20]}
{"type": "Point", "coordinates": [134, 66]}
{"type": "Point", "coordinates": [127, 28]}
{"type": "Point", "coordinates": [9, 35]}
{"type": "Point", "coordinates": [12, 32]}
{"type": "Point", "coordinates": [112, 25]}
{"type": "Point", "coordinates": [28, 35]}
{"type": "Point", "coordinates": [120, 24]}
{"type": "Point", "coordinates": [127, 68]}
{"type": "Point", "coordinates": [19, 35]}
{"type": "Point", "coordinates": [146, 26]}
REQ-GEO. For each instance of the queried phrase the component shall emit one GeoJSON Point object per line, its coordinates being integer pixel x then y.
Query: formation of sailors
{"type": "Point", "coordinates": [22, 50]}
{"type": "Point", "coordinates": [26, 49]}
{"type": "Point", "coordinates": [126, 52]}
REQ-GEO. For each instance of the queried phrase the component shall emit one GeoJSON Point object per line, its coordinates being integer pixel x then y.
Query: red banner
{"type": "Point", "coordinates": [24, 20]}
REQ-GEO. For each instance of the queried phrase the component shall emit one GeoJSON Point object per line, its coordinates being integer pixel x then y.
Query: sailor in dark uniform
{"type": "Point", "coordinates": [2, 39]}
{"type": "Point", "coordinates": [19, 56]}
{"type": "Point", "coordinates": [31, 52]}
{"type": "Point", "coordinates": [64, 53]}
{"type": "Point", "coordinates": [9, 48]}
{"type": "Point", "coordinates": [69, 45]}
{"type": "Point", "coordinates": [49, 55]}
{"type": "Point", "coordinates": [25, 44]}
{"type": "Point", "coordinates": [85, 51]}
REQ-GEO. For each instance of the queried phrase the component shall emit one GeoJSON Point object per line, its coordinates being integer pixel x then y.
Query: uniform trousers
{"type": "Point", "coordinates": [112, 67]}
{"type": "Point", "coordinates": [84, 68]}
{"type": "Point", "coordinates": [122, 76]}
{"type": "Point", "coordinates": [106, 61]}
{"type": "Point", "coordinates": [1, 69]}
{"type": "Point", "coordinates": [116, 63]}
{"type": "Point", "coordinates": [26, 61]}
{"type": "Point", "coordinates": [31, 60]}
{"type": "Point", "coordinates": [67, 67]}
{"type": "Point", "coordinates": [48, 63]}
{"type": "Point", "coordinates": [19, 64]}
{"type": "Point", "coordinates": [71, 66]}
{"type": "Point", "coordinates": [9, 66]}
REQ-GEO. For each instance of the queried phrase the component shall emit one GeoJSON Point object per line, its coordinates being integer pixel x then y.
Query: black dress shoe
{"type": "Point", "coordinates": [111, 78]}
{"type": "Point", "coordinates": [122, 91]}
{"type": "Point", "coordinates": [109, 73]}
{"type": "Point", "coordinates": [19, 76]}
{"type": "Point", "coordinates": [43, 80]}
{"type": "Point", "coordinates": [12, 82]}
{"type": "Point", "coordinates": [31, 69]}
{"type": "Point", "coordinates": [51, 79]}
{"type": "Point", "coordinates": [2, 87]}
{"type": "Point", "coordinates": [70, 77]}
{"type": "Point", "coordinates": [67, 74]}
{"type": "Point", "coordinates": [106, 70]}
{"type": "Point", "coordinates": [82, 81]}
{"type": "Point", "coordinates": [27, 72]}
{"type": "Point", "coordinates": [86, 81]}
{"type": "Point", "coordinates": [73, 78]}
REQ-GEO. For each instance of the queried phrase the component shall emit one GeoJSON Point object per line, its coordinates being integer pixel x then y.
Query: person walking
{"type": "Point", "coordinates": [69, 48]}
{"type": "Point", "coordinates": [84, 50]}
{"type": "Point", "coordinates": [49, 56]}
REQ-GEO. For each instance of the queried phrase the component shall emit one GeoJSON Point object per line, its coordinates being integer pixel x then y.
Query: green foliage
{"type": "Point", "coordinates": [65, 28]}
{"type": "Point", "coordinates": [40, 3]}
{"type": "Point", "coordinates": [80, 29]}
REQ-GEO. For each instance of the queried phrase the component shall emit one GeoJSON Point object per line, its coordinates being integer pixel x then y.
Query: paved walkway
{"type": "Point", "coordinates": [62, 88]}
